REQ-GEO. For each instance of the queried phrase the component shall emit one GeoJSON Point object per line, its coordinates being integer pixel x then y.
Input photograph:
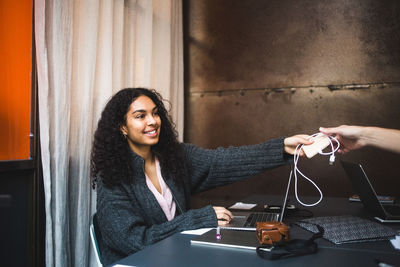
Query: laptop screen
{"type": "Point", "coordinates": [363, 187]}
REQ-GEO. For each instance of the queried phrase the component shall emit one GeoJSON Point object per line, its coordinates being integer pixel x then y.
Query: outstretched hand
{"type": "Point", "coordinates": [292, 142]}
{"type": "Point", "coordinates": [224, 216]}
{"type": "Point", "coordinates": [349, 137]}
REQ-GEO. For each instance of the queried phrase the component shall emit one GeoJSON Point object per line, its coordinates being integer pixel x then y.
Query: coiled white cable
{"type": "Point", "coordinates": [296, 156]}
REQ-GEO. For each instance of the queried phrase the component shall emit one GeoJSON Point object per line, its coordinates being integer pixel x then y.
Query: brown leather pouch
{"type": "Point", "coordinates": [271, 233]}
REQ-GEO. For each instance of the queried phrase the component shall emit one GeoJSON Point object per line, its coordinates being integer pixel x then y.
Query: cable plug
{"type": "Point", "coordinates": [331, 159]}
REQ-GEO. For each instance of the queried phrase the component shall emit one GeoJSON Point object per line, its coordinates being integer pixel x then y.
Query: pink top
{"type": "Point", "coordinates": [165, 199]}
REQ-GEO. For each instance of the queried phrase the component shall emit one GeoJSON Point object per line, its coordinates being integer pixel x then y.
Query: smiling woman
{"type": "Point", "coordinates": [142, 131]}
{"type": "Point", "coordinates": [128, 121]}
{"type": "Point", "coordinates": [142, 126]}
{"type": "Point", "coordinates": [145, 178]}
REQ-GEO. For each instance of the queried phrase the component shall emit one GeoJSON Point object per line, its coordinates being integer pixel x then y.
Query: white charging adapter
{"type": "Point", "coordinates": [321, 142]}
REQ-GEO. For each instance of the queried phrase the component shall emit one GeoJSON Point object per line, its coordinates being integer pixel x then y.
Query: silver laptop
{"type": "Point", "coordinates": [239, 239]}
{"type": "Point", "coordinates": [230, 239]}
{"type": "Point", "coordinates": [248, 222]}
{"type": "Point", "coordinates": [364, 189]}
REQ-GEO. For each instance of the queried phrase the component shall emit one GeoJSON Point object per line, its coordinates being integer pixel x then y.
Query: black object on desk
{"type": "Point", "coordinates": [367, 194]}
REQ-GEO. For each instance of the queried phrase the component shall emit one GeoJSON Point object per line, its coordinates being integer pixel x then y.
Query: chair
{"type": "Point", "coordinates": [95, 236]}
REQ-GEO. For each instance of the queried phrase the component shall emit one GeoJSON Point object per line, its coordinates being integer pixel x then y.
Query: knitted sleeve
{"type": "Point", "coordinates": [209, 168]}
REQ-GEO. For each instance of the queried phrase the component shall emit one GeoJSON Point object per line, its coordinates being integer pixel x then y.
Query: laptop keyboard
{"type": "Point", "coordinates": [260, 217]}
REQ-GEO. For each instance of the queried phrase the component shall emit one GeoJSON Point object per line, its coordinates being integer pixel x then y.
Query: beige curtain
{"type": "Point", "coordinates": [86, 51]}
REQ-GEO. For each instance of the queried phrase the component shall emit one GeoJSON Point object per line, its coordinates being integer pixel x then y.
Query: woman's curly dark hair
{"type": "Point", "coordinates": [110, 150]}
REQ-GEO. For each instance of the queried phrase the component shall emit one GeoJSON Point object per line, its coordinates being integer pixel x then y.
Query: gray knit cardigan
{"type": "Point", "coordinates": [130, 218]}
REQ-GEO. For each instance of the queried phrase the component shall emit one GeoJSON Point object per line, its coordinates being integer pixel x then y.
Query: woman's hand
{"type": "Point", "coordinates": [224, 216]}
{"type": "Point", "coordinates": [292, 142]}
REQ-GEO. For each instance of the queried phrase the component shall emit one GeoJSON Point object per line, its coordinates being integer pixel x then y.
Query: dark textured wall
{"type": "Point", "coordinates": [256, 70]}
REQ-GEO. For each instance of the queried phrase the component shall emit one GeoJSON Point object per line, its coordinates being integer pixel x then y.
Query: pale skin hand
{"type": "Point", "coordinates": [224, 216]}
{"type": "Point", "coordinates": [354, 137]}
{"type": "Point", "coordinates": [349, 137]}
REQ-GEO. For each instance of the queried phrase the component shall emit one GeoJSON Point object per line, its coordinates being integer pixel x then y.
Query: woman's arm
{"type": "Point", "coordinates": [209, 168]}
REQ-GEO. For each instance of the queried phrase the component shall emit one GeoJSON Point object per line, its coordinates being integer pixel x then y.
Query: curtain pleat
{"type": "Point", "coordinates": [87, 50]}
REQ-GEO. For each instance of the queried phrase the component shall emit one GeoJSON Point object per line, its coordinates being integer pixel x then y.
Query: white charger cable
{"type": "Point", "coordinates": [320, 143]}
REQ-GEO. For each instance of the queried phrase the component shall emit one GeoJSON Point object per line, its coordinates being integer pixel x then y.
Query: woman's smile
{"type": "Point", "coordinates": [151, 133]}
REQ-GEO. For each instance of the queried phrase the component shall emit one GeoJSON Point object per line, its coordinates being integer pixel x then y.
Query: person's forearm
{"type": "Point", "coordinates": [388, 139]}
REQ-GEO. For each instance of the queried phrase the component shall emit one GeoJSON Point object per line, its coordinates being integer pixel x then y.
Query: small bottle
{"type": "Point", "coordinates": [218, 235]}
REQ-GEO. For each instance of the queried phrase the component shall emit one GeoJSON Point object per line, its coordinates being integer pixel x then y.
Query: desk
{"type": "Point", "coordinates": [176, 250]}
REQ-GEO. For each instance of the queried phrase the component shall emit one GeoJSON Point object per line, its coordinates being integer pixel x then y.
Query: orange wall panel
{"type": "Point", "coordinates": [15, 78]}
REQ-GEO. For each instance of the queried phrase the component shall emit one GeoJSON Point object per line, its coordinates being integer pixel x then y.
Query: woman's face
{"type": "Point", "coordinates": [143, 124]}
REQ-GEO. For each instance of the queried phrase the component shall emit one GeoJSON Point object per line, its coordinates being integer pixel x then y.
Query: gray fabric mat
{"type": "Point", "coordinates": [348, 229]}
